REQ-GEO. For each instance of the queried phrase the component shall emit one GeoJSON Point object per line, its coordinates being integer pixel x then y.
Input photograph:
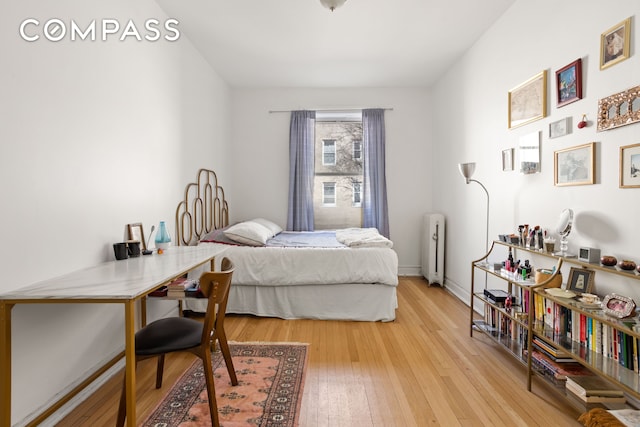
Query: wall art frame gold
{"type": "Point", "coordinates": [528, 101]}
{"type": "Point", "coordinates": [615, 44]}
{"type": "Point", "coordinates": [619, 109]}
{"type": "Point", "coordinates": [575, 165]}
{"type": "Point", "coordinates": [630, 166]}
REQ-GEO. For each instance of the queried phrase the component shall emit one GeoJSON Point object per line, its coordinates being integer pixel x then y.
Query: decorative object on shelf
{"type": "Point", "coordinates": [615, 43]}
{"type": "Point", "coordinates": [583, 123]}
{"type": "Point", "coordinates": [507, 159]}
{"type": "Point", "coordinates": [569, 83]}
{"type": "Point", "coordinates": [543, 274]}
{"type": "Point", "coordinates": [528, 101]}
{"type": "Point", "coordinates": [332, 4]}
{"type": "Point", "coordinates": [630, 165]}
{"type": "Point", "coordinates": [529, 153]}
{"type": "Point", "coordinates": [619, 109]}
{"type": "Point", "coordinates": [560, 128]}
{"type": "Point", "coordinates": [618, 306]}
{"type": "Point", "coordinates": [608, 260]}
{"type": "Point", "coordinates": [627, 265]}
{"type": "Point", "coordinates": [560, 293]}
{"type": "Point", "coordinates": [163, 240]}
{"type": "Point", "coordinates": [575, 165]}
{"type": "Point", "coordinates": [589, 255]}
{"type": "Point", "coordinates": [580, 280]}
{"type": "Point", "coordinates": [549, 244]}
{"type": "Point", "coordinates": [466, 170]}
{"type": "Point", "coordinates": [564, 229]}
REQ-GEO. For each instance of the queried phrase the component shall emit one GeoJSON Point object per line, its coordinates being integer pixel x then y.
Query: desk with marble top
{"type": "Point", "coordinates": [123, 282]}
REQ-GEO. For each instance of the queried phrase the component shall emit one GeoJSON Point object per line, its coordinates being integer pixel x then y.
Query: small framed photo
{"type": "Point", "coordinates": [528, 101]}
{"type": "Point", "coordinates": [618, 306]}
{"type": "Point", "coordinates": [136, 233]}
{"type": "Point", "coordinates": [507, 159]}
{"type": "Point", "coordinates": [615, 44]}
{"type": "Point", "coordinates": [630, 166]}
{"type": "Point", "coordinates": [575, 165]}
{"type": "Point", "coordinates": [560, 128]}
{"type": "Point", "coordinates": [580, 280]}
{"type": "Point", "coordinates": [569, 83]}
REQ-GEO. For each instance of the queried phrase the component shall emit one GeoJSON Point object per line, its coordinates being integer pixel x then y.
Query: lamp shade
{"type": "Point", "coordinates": [466, 170]}
{"type": "Point", "coordinates": [332, 4]}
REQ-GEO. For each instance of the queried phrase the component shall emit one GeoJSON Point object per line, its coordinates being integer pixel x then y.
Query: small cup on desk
{"type": "Point", "coordinates": [120, 250]}
{"type": "Point", "coordinates": [134, 248]}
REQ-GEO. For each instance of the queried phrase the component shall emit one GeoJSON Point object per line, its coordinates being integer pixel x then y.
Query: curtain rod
{"type": "Point", "coordinates": [326, 109]}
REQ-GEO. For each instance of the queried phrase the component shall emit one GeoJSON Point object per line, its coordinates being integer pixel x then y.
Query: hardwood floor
{"type": "Point", "coordinates": [422, 369]}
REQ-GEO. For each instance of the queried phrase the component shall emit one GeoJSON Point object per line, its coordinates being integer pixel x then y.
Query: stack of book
{"type": "Point", "coordinates": [593, 389]}
{"type": "Point", "coordinates": [179, 287]}
{"type": "Point", "coordinates": [551, 352]}
{"type": "Point", "coordinates": [556, 372]}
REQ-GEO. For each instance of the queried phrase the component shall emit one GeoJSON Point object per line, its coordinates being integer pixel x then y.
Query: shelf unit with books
{"type": "Point", "coordinates": [606, 346]}
{"type": "Point", "coordinates": [505, 323]}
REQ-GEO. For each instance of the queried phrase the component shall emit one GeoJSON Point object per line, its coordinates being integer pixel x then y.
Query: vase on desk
{"type": "Point", "coordinates": [163, 240]}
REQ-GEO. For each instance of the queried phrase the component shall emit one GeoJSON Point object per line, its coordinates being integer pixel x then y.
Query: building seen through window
{"type": "Point", "coordinates": [338, 170]}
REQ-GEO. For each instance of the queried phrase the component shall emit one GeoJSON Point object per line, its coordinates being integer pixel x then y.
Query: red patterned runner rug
{"type": "Point", "coordinates": [269, 390]}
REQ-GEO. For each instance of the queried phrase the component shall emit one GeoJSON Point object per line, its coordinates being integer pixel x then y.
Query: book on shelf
{"type": "Point", "coordinates": [592, 385]}
{"type": "Point", "coordinates": [559, 371]}
{"type": "Point", "coordinates": [178, 287]}
{"type": "Point", "coordinates": [160, 292]}
{"type": "Point", "coordinates": [551, 352]}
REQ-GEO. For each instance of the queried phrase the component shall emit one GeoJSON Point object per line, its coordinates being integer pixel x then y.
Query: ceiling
{"type": "Point", "coordinates": [364, 43]}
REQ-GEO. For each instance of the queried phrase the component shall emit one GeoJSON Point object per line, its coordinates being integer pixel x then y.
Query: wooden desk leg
{"type": "Point", "coordinates": [130, 361]}
{"type": "Point", "coordinates": [5, 363]}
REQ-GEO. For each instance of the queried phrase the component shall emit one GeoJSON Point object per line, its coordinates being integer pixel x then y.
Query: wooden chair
{"type": "Point", "coordinates": [182, 334]}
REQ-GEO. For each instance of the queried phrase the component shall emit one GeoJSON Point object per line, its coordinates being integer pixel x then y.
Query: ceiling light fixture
{"type": "Point", "coordinates": [332, 4]}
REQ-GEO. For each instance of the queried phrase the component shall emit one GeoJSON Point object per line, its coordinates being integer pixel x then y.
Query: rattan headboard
{"type": "Point", "coordinates": [203, 209]}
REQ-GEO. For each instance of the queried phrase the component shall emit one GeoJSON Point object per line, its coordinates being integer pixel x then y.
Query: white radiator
{"type": "Point", "coordinates": [433, 248]}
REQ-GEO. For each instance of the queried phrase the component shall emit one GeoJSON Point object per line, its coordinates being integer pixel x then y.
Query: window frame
{"type": "Point", "coordinates": [324, 194]}
{"type": "Point", "coordinates": [325, 144]}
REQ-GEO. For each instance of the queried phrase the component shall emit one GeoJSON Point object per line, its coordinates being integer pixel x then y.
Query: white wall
{"type": "Point", "coordinates": [470, 124]}
{"type": "Point", "coordinates": [94, 135]}
{"type": "Point", "coordinates": [260, 181]}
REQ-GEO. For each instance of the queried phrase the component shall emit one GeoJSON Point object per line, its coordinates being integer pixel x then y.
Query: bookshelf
{"type": "Point", "coordinates": [606, 346]}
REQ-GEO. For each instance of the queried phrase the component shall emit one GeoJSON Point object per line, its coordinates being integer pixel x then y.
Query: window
{"type": "Point", "coordinates": [328, 194]}
{"type": "Point", "coordinates": [338, 171]}
{"type": "Point", "coordinates": [328, 152]}
{"type": "Point", "coordinates": [357, 151]}
{"type": "Point", "coordinates": [356, 192]}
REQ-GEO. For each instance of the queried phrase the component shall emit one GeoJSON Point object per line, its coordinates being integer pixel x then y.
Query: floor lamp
{"type": "Point", "coordinates": [466, 170]}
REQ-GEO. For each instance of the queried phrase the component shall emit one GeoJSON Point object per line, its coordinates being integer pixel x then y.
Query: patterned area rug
{"type": "Point", "coordinates": [269, 390]}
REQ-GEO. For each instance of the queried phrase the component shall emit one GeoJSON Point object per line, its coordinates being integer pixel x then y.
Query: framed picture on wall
{"type": "Point", "coordinates": [528, 101]}
{"type": "Point", "coordinates": [580, 280]}
{"type": "Point", "coordinates": [615, 44]}
{"type": "Point", "coordinates": [569, 83]}
{"type": "Point", "coordinates": [630, 166]}
{"type": "Point", "coordinates": [560, 128]}
{"type": "Point", "coordinates": [575, 165]}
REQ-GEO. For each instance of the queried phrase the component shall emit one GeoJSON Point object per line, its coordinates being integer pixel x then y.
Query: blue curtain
{"type": "Point", "coordinates": [301, 170]}
{"type": "Point", "coordinates": [374, 199]}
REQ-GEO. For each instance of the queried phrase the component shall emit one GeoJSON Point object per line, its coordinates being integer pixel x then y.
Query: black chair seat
{"type": "Point", "coordinates": [168, 335]}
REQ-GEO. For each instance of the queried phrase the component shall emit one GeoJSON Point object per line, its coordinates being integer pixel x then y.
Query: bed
{"type": "Point", "coordinates": [348, 274]}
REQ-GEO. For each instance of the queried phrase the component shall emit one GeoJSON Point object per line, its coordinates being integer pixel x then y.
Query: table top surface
{"type": "Point", "coordinates": [119, 280]}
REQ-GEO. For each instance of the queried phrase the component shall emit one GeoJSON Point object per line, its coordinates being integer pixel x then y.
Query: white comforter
{"type": "Point", "coordinates": [362, 238]}
{"type": "Point", "coordinates": [274, 266]}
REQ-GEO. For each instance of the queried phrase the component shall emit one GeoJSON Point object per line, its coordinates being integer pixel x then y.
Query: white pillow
{"type": "Point", "coordinates": [249, 233]}
{"type": "Point", "coordinates": [273, 227]}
